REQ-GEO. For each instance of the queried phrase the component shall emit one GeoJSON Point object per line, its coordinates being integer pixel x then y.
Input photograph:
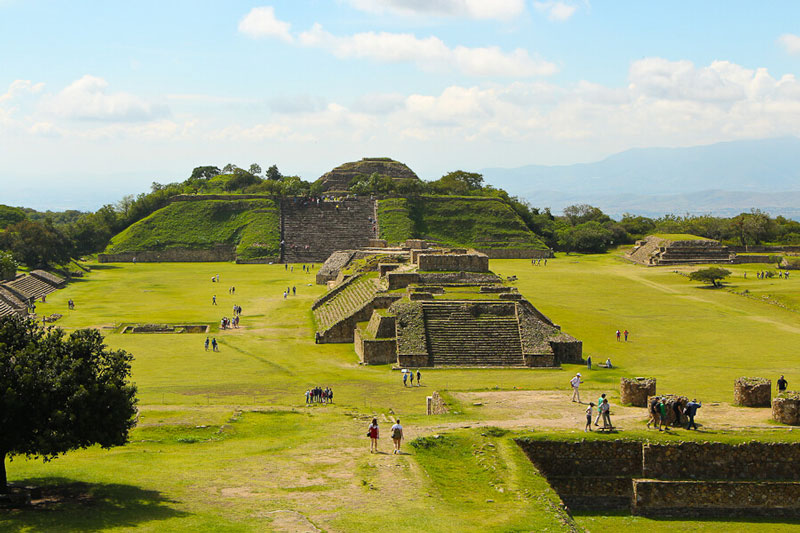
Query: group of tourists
{"type": "Point", "coordinates": [227, 323]}
{"type": "Point", "coordinates": [290, 291]}
{"type": "Point", "coordinates": [603, 412]}
{"type": "Point", "coordinates": [409, 375]}
{"type": "Point", "coordinates": [319, 395]}
{"type": "Point", "coordinates": [538, 262]}
{"type": "Point", "coordinates": [620, 335]}
{"type": "Point", "coordinates": [70, 305]}
{"type": "Point", "coordinates": [765, 274]}
{"type": "Point", "coordinates": [607, 364]}
{"type": "Point", "coordinates": [214, 345]}
{"type": "Point", "coordinates": [659, 413]}
{"type": "Point", "coordinates": [374, 434]}
{"type": "Point", "coordinates": [215, 279]}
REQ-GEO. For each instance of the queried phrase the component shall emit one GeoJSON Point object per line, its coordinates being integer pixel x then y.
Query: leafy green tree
{"type": "Point", "coordinates": [255, 169]}
{"type": "Point", "coordinates": [37, 244]}
{"type": "Point", "coordinates": [637, 225]}
{"type": "Point", "coordinates": [589, 237]}
{"type": "Point", "coordinates": [59, 392]}
{"type": "Point", "coordinates": [241, 179]}
{"type": "Point", "coordinates": [580, 213]}
{"type": "Point", "coordinates": [710, 275]}
{"type": "Point", "coordinates": [204, 173]}
{"type": "Point", "coordinates": [8, 266]}
{"type": "Point", "coordinates": [10, 215]}
{"type": "Point", "coordinates": [273, 174]}
{"type": "Point", "coordinates": [458, 182]}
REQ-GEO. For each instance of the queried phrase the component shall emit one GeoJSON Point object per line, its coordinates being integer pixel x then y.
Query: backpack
{"type": "Point", "coordinates": [396, 432]}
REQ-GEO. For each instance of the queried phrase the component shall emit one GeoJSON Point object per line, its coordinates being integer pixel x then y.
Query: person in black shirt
{"type": "Point", "coordinates": [782, 383]}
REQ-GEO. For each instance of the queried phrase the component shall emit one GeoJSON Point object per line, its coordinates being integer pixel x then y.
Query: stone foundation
{"type": "Point", "coordinates": [752, 392]}
{"type": "Point", "coordinates": [453, 262]}
{"type": "Point", "coordinates": [635, 391]}
{"type": "Point", "coordinates": [172, 255]}
{"type": "Point", "coordinates": [786, 408]}
{"type": "Point", "coordinates": [373, 351]}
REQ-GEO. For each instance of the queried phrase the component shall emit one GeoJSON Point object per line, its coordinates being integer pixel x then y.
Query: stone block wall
{"type": "Point", "coordinates": [786, 408]}
{"type": "Point", "coordinates": [453, 262]}
{"type": "Point", "coordinates": [401, 280]}
{"type": "Point", "coordinates": [172, 255]}
{"type": "Point", "coordinates": [705, 460]}
{"type": "Point", "coordinates": [514, 253]}
{"type": "Point", "coordinates": [373, 351]}
{"type": "Point", "coordinates": [752, 392]}
{"type": "Point", "coordinates": [715, 498]}
{"type": "Point", "coordinates": [567, 350]}
{"type": "Point", "coordinates": [381, 325]}
{"type": "Point", "coordinates": [634, 391]}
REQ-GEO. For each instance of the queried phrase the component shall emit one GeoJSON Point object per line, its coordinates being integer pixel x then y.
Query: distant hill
{"type": "Point", "coordinates": [718, 178]}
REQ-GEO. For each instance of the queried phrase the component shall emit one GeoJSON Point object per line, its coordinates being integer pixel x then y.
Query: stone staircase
{"type": "Point", "coordinates": [324, 228]}
{"type": "Point", "coordinates": [456, 336]}
{"type": "Point", "coordinates": [11, 303]}
{"type": "Point", "coordinates": [30, 287]}
{"type": "Point", "coordinates": [349, 300]}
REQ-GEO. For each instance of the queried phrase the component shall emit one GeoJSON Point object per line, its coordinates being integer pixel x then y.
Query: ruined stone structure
{"type": "Point", "coordinates": [658, 251]}
{"type": "Point", "coordinates": [454, 313]}
{"type": "Point", "coordinates": [340, 177]}
{"type": "Point", "coordinates": [786, 408]}
{"type": "Point", "coordinates": [752, 479]}
{"type": "Point", "coordinates": [17, 294]}
{"type": "Point", "coordinates": [635, 391]}
{"type": "Point", "coordinates": [435, 404]}
{"type": "Point", "coordinates": [312, 232]}
{"type": "Point", "coordinates": [752, 392]}
{"type": "Point", "coordinates": [173, 255]}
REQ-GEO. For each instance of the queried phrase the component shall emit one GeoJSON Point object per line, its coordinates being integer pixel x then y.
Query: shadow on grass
{"type": "Point", "coordinates": [103, 267]}
{"type": "Point", "coordinates": [66, 505]}
{"type": "Point", "coordinates": [597, 513]}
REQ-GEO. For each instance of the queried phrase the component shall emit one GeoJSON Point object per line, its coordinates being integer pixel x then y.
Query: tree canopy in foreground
{"type": "Point", "coordinates": [60, 392]}
{"type": "Point", "coordinates": [710, 275]}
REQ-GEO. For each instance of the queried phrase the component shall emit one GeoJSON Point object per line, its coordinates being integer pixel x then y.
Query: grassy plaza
{"type": "Point", "coordinates": [225, 440]}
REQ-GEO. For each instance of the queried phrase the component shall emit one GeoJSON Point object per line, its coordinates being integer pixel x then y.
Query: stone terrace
{"type": "Point", "coordinates": [30, 287]}
{"type": "Point", "coordinates": [470, 334]}
{"type": "Point", "coordinates": [655, 250]}
{"type": "Point", "coordinates": [352, 297]}
{"type": "Point", "coordinates": [324, 228]}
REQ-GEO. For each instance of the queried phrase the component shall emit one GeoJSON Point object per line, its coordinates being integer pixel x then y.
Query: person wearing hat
{"type": "Point", "coordinates": [576, 382]}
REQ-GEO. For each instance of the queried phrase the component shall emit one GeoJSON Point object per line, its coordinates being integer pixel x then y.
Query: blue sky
{"type": "Point", "coordinates": [123, 94]}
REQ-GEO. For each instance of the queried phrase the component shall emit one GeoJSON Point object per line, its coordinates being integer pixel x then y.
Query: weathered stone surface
{"type": "Point", "coordinates": [752, 392]}
{"type": "Point", "coordinates": [635, 391]}
{"type": "Point", "coordinates": [173, 255]}
{"type": "Point", "coordinates": [436, 405]}
{"type": "Point", "coordinates": [372, 351]}
{"type": "Point", "coordinates": [340, 177]}
{"type": "Point", "coordinates": [786, 408]}
{"type": "Point", "coordinates": [451, 262]}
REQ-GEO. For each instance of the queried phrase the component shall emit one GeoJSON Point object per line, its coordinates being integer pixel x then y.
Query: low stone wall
{"type": "Point", "coordinates": [436, 405]}
{"type": "Point", "coordinates": [786, 408]}
{"type": "Point", "coordinates": [764, 249]}
{"type": "Point", "coordinates": [752, 392]}
{"type": "Point", "coordinates": [709, 460]}
{"type": "Point", "coordinates": [634, 391]}
{"type": "Point", "coordinates": [514, 253]}
{"type": "Point", "coordinates": [567, 351]}
{"type": "Point", "coordinates": [374, 351]}
{"type": "Point", "coordinates": [401, 280]}
{"type": "Point", "coordinates": [453, 262]}
{"type": "Point", "coordinates": [172, 255]}
{"type": "Point", "coordinates": [260, 261]}
{"type": "Point", "coordinates": [715, 498]}
{"type": "Point", "coordinates": [381, 325]}
{"type": "Point", "coordinates": [746, 259]}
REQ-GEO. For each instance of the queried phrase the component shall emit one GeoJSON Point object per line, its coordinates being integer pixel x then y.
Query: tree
{"type": "Point", "coordinates": [273, 174]}
{"type": "Point", "coordinates": [710, 275]}
{"type": "Point", "coordinates": [589, 237]}
{"type": "Point", "coordinates": [255, 169]}
{"type": "Point", "coordinates": [458, 182]}
{"type": "Point", "coordinates": [60, 393]}
{"type": "Point", "coordinates": [580, 213]}
{"type": "Point", "coordinates": [229, 168]}
{"type": "Point", "coordinates": [37, 244]}
{"type": "Point", "coordinates": [8, 267]}
{"type": "Point", "coordinates": [10, 215]}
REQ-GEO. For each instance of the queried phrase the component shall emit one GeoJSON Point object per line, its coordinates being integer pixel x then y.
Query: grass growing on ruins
{"type": "Point", "coordinates": [253, 226]}
{"type": "Point", "coordinates": [225, 440]}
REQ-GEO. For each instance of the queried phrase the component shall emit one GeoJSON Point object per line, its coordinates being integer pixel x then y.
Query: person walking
{"type": "Point", "coordinates": [662, 415]}
{"type": "Point", "coordinates": [691, 410]}
{"type": "Point", "coordinates": [588, 418]}
{"type": "Point", "coordinates": [206, 344]}
{"type": "Point", "coordinates": [626, 335]}
{"type": "Point", "coordinates": [618, 334]}
{"type": "Point", "coordinates": [600, 401]}
{"type": "Point", "coordinates": [405, 379]}
{"type": "Point", "coordinates": [588, 362]}
{"type": "Point", "coordinates": [397, 435]}
{"type": "Point", "coordinates": [214, 344]}
{"type": "Point", "coordinates": [372, 433]}
{"type": "Point", "coordinates": [576, 382]}
{"type": "Point", "coordinates": [653, 410]}
{"type": "Point", "coordinates": [214, 300]}
{"type": "Point", "coordinates": [419, 377]}
{"type": "Point", "coordinates": [411, 377]}
{"type": "Point", "coordinates": [782, 384]}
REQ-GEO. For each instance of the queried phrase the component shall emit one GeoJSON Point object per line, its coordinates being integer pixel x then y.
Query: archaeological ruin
{"type": "Point", "coordinates": [17, 295]}
{"type": "Point", "coordinates": [415, 306]}
{"type": "Point", "coordinates": [659, 251]}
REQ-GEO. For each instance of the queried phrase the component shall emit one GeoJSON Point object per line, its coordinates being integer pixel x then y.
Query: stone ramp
{"type": "Point", "coordinates": [358, 292]}
{"type": "Point", "coordinates": [468, 334]}
{"type": "Point", "coordinates": [311, 233]}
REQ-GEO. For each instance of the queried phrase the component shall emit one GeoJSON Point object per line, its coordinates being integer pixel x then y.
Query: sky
{"type": "Point", "coordinates": [100, 99]}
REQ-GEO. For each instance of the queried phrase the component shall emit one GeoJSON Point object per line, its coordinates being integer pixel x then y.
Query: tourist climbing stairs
{"type": "Point", "coordinates": [456, 336]}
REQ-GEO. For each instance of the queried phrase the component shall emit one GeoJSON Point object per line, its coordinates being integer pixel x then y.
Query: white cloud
{"type": "Point", "coordinates": [18, 87]}
{"type": "Point", "coordinates": [429, 53]}
{"type": "Point", "coordinates": [261, 22]}
{"type": "Point", "coordinates": [555, 11]}
{"type": "Point", "coordinates": [475, 9]}
{"type": "Point", "coordinates": [790, 43]}
{"type": "Point", "coordinates": [87, 99]}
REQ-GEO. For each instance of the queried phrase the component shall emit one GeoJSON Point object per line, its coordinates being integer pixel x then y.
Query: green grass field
{"type": "Point", "coordinates": [225, 441]}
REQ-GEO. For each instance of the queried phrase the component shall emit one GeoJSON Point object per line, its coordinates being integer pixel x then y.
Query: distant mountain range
{"type": "Point", "coordinates": [721, 179]}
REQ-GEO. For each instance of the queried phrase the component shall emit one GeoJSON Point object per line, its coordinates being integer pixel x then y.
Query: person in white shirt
{"type": "Point", "coordinates": [576, 382]}
{"type": "Point", "coordinates": [397, 436]}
